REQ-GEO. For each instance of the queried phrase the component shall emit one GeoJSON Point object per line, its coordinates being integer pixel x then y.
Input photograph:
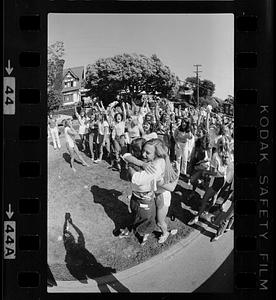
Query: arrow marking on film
{"type": "Point", "coordinates": [9, 69]}
{"type": "Point", "coordinates": [9, 212]}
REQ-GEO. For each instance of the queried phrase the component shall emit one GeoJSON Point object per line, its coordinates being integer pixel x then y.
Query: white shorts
{"type": "Point", "coordinates": [82, 129]}
{"type": "Point", "coordinates": [163, 199]}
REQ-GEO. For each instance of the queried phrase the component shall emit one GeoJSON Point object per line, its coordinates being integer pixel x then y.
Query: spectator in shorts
{"type": "Point", "coordinates": [217, 171]}
{"type": "Point", "coordinates": [70, 134]}
{"type": "Point", "coordinates": [53, 128]}
{"type": "Point", "coordinates": [182, 135]}
{"type": "Point", "coordinates": [83, 120]}
{"type": "Point", "coordinates": [103, 137]}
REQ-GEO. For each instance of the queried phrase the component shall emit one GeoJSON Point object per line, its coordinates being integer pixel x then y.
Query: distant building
{"type": "Point", "coordinates": [71, 85]}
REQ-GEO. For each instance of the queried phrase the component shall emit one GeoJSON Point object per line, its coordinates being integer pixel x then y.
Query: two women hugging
{"type": "Point", "coordinates": [153, 177]}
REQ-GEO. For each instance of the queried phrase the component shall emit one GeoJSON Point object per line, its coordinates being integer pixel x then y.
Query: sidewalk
{"type": "Point", "coordinates": [182, 268]}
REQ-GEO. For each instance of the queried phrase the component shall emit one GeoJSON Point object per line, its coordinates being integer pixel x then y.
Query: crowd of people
{"type": "Point", "coordinates": [155, 146]}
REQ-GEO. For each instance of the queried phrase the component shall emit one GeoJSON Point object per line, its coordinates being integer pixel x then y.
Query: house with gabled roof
{"type": "Point", "coordinates": [71, 85]}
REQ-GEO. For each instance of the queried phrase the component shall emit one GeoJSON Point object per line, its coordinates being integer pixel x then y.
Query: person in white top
{"type": "Point", "coordinates": [83, 127]}
{"type": "Point", "coordinates": [181, 136]}
{"type": "Point", "coordinates": [219, 164]}
{"type": "Point", "coordinates": [117, 131]}
{"type": "Point", "coordinates": [163, 180]}
{"type": "Point", "coordinates": [53, 128]}
{"type": "Point", "coordinates": [148, 133]}
{"type": "Point", "coordinates": [70, 134]}
{"type": "Point", "coordinates": [103, 136]}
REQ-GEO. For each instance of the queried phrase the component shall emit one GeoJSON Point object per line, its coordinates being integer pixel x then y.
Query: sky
{"type": "Point", "coordinates": [179, 40]}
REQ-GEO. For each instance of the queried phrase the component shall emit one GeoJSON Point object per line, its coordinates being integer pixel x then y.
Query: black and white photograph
{"type": "Point", "coordinates": [140, 153]}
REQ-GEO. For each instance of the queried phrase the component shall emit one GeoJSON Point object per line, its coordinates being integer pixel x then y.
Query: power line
{"type": "Point", "coordinates": [197, 79]}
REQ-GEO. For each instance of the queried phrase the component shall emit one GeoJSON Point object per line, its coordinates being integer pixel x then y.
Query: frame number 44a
{"type": "Point", "coordinates": [9, 239]}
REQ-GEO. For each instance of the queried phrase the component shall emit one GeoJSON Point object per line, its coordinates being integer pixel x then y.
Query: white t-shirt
{"type": "Point", "coordinates": [143, 181]}
{"type": "Point", "coordinates": [119, 128]}
{"type": "Point", "coordinates": [82, 127]}
{"type": "Point", "coordinates": [152, 135]}
{"type": "Point", "coordinates": [216, 163]}
{"type": "Point", "coordinates": [101, 126]}
{"type": "Point", "coordinates": [230, 172]}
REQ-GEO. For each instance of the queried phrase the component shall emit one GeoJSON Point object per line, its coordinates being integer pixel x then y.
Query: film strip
{"type": "Point", "coordinates": [26, 273]}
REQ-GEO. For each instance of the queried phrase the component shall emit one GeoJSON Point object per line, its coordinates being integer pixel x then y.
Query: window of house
{"type": "Point", "coordinates": [68, 98]}
{"type": "Point", "coordinates": [70, 83]}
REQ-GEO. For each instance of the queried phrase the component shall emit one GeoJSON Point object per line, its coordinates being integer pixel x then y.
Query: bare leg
{"type": "Point", "coordinates": [91, 140]}
{"type": "Point", "coordinates": [208, 194]}
{"type": "Point", "coordinates": [100, 151]}
{"type": "Point", "coordinates": [79, 156]}
{"type": "Point", "coordinates": [72, 157]}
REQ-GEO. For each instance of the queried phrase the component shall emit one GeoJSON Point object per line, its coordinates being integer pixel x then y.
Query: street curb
{"type": "Point", "coordinates": [128, 273]}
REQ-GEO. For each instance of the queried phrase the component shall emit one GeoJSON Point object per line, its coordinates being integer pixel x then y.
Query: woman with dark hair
{"type": "Point", "coordinates": [148, 131]}
{"type": "Point", "coordinates": [82, 126]}
{"type": "Point", "coordinates": [182, 135]}
{"type": "Point", "coordinates": [163, 126]}
{"type": "Point", "coordinates": [117, 131]}
{"type": "Point", "coordinates": [92, 133]}
{"type": "Point", "coordinates": [103, 136]}
{"type": "Point", "coordinates": [199, 161]}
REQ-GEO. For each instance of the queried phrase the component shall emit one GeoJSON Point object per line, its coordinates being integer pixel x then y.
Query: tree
{"type": "Point", "coordinates": [55, 74]}
{"type": "Point", "coordinates": [131, 74]}
{"type": "Point", "coordinates": [206, 87]}
{"type": "Point", "coordinates": [54, 100]}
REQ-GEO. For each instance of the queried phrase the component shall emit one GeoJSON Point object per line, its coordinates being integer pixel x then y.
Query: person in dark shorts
{"type": "Point", "coordinates": [219, 163]}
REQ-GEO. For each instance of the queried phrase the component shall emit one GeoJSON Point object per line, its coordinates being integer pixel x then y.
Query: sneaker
{"type": "Point", "coordinates": [227, 229]}
{"type": "Point", "coordinates": [163, 238]}
{"type": "Point", "coordinates": [193, 221]}
{"type": "Point", "coordinates": [215, 238]}
{"type": "Point", "coordinates": [173, 231]}
{"type": "Point", "coordinates": [97, 161]}
{"type": "Point", "coordinates": [145, 238]}
{"type": "Point", "coordinates": [204, 214]}
{"type": "Point", "coordinates": [124, 233]}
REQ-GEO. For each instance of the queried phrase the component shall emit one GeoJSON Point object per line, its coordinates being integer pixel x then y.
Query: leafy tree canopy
{"type": "Point", "coordinates": [55, 74]}
{"type": "Point", "coordinates": [206, 87]}
{"type": "Point", "coordinates": [131, 73]}
{"type": "Point", "coordinates": [55, 57]}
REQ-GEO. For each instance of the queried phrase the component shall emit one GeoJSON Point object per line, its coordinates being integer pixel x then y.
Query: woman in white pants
{"type": "Point", "coordinates": [53, 128]}
{"type": "Point", "coordinates": [182, 135]}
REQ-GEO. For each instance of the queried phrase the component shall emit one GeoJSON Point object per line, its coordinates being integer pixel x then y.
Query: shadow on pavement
{"type": "Point", "coordinates": [116, 210]}
{"type": "Point", "coordinates": [83, 265]}
{"type": "Point", "coordinates": [50, 278]}
{"type": "Point", "coordinates": [67, 158]}
{"type": "Point", "coordinates": [222, 281]}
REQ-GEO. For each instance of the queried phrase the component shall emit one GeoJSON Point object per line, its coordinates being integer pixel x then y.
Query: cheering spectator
{"type": "Point", "coordinates": [182, 135]}
{"type": "Point", "coordinates": [53, 128]}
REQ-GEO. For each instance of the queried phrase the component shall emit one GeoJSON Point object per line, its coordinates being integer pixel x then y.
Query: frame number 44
{"type": "Point", "coordinates": [9, 96]}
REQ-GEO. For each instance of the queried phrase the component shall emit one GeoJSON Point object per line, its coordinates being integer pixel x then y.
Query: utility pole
{"type": "Point", "coordinates": [197, 79]}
